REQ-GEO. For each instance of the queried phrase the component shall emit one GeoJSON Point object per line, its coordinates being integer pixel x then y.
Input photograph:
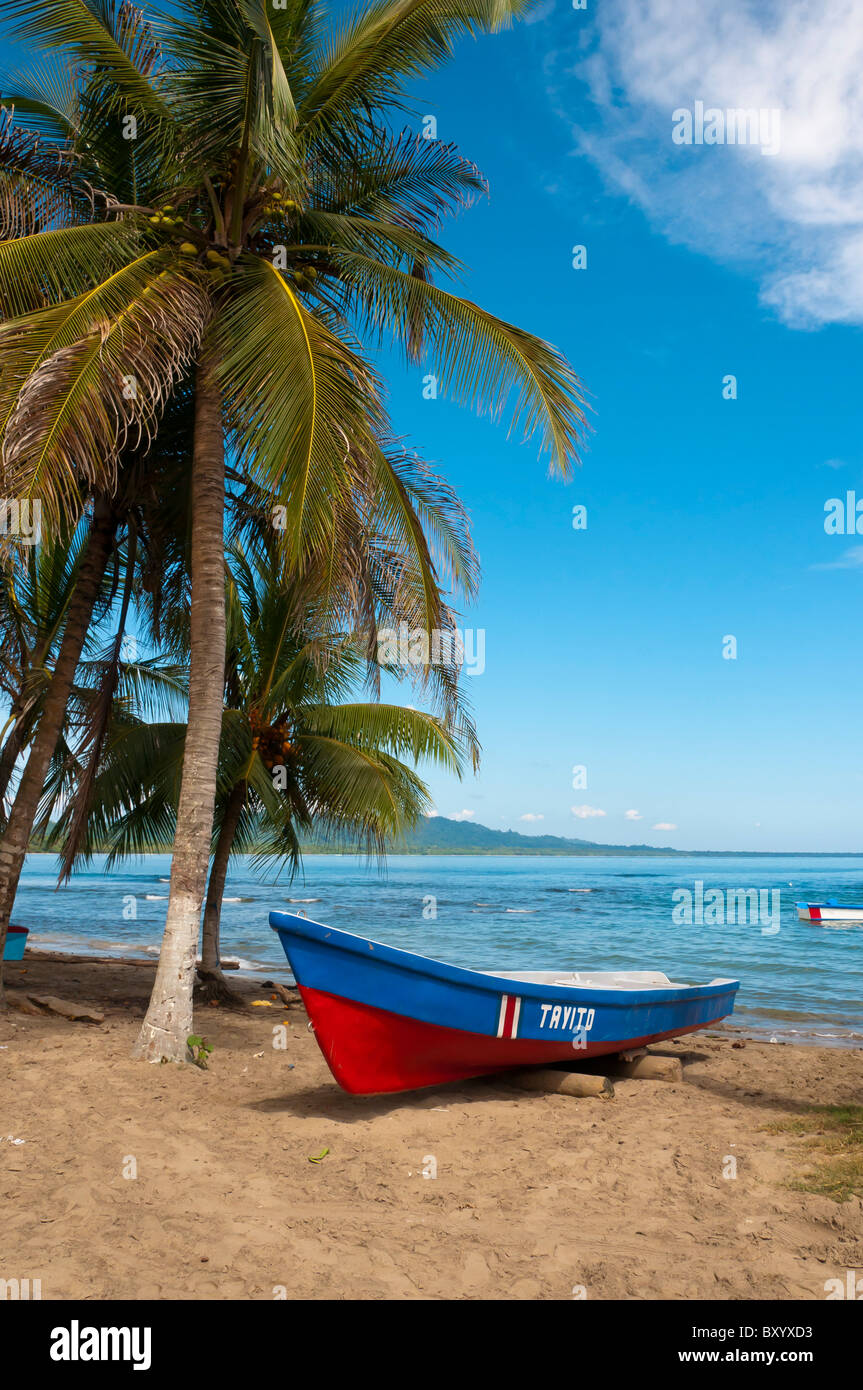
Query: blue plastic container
{"type": "Point", "coordinates": [16, 940]}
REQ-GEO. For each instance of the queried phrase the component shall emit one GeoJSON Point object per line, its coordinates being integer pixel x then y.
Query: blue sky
{"type": "Point", "coordinates": [604, 647]}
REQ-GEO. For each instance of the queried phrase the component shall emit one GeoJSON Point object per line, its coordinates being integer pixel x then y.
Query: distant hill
{"type": "Point", "coordinates": [439, 835]}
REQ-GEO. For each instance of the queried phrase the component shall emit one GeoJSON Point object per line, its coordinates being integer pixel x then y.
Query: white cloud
{"type": "Point", "coordinates": [462, 815]}
{"type": "Point", "coordinates": [851, 560]}
{"type": "Point", "coordinates": [795, 218]}
{"type": "Point", "coordinates": [528, 815]}
{"type": "Point", "coordinates": [587, 812]}
{"type": "Point", "coordinates": [664, 825]}
{"type": "Point", "coordinates": [632, 815]}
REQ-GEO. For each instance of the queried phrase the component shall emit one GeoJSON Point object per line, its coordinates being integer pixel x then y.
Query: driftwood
{"type": "Point", "coordinates": [650, 1067]}
{"type": "Point", "coordinates": [562, 1083]}
{"type": "Point", "coordinates": [22, 1004]}
{"type": "Point", "coordinates": [637, 1064]}
{"type": "Point", "coordinates": [38, 1003]}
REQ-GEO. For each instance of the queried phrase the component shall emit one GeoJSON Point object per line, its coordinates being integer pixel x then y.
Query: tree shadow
{"type": "Point", "coordinates": [752, 1097]}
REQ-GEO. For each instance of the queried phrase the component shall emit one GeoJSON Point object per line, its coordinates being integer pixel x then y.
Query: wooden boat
{"type": "Point", "coordinates": [390, 1020]}
{"type": "Point", "coordinates": [16, 940]}
{"type": "Point", "coordinates": [831, 911]}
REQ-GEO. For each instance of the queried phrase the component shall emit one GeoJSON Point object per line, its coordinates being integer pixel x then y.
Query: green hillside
{"type": "Point", "coordinates": [439, 835]}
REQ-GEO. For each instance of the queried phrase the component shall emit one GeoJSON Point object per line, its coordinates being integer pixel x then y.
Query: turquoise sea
{"type": "Point", "coordinates": [540, 912]}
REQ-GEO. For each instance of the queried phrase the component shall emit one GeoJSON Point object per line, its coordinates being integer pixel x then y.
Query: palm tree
{"type": "Point", "coordinates": [142, 511]}
{"type": "Point", "coordinates": [269, 222]}
{"type": "Point", "coordinates": [298, 757]}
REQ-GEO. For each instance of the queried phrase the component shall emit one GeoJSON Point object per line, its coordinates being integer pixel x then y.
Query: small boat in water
{"type": "Point", "coordinates": [390, 1020]}
{"type": "Point", "coordinates": [16, 940]}
{"type": "Point", "coordinates": [831, 911]}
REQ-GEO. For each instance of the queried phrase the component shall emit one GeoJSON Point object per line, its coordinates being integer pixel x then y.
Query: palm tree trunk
{"type": "Point", "coordinates": [80, 801]}
{"type": "Point", "coordinates": [168, 1022]}
{"type": "Point", "coordinates": [16, 836]}
{"type": "Point", "coordinates": [210, 969]}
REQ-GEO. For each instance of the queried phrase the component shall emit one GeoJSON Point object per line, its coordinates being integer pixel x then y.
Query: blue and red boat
{"type": "Point", "coordinates": [831, 911]}
{"type": "Point", "coordinates": [390, 1020]}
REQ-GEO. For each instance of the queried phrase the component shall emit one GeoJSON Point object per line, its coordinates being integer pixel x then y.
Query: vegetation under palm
{"type": "Point", "coordinates": [299, 757]}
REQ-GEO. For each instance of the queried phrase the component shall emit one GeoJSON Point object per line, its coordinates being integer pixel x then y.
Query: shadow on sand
{"type": "Point", "coordinates": [331, 1103]}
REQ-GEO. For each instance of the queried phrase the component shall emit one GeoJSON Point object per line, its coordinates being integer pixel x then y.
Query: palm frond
{"type": "Point", "coordinates": [109, 35]}
{"type": "Point", "coordinates": [384, 45]}
{"type": "Point", "coordinates": [481, 360]}
{"type": "Point", "coordinates": [396, 178]}
{"type": "Point", "coordinates": [82, 382]}
{"type": "Point", "coordinates": [46, 96]}
{"type": "Point", "coordinates": [60, 262]}
{"type": "Point", "coordinates": [295, 441]}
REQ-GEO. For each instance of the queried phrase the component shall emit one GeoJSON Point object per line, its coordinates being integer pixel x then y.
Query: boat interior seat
{"type": "Point", "coordinates": [582, 979]}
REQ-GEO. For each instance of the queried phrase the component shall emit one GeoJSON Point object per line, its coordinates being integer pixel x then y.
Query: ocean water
{"type": "Point", "coordinates": [800, 982]}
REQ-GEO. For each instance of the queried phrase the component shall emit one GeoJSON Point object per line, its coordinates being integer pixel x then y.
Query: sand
{"type": "Point", "coordinates": [534, 1195]}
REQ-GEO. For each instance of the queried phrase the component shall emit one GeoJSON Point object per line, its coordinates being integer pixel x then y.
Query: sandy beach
{"type": "Point", "coordinates": [535, 1196]}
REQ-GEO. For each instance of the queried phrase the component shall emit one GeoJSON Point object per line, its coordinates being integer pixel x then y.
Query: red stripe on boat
{"type": "Point", "coordinates": [814, 914]}
{"type": "Point", "coordinates": [510, 1008]}
{"type": "Point", "coordinates": [370, 1051]}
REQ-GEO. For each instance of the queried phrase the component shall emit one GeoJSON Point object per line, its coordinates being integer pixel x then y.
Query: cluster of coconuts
{"type": "Point", "coordinates": [218, 265]}
{"type": "Point", "coordinates": [305, 277]}
{"type": "Point", "coordinates": [165, 218]}
{"type": "Point", "coordinates": [278, 205]}
{"type": "Point", "coordinates": [273, 743]}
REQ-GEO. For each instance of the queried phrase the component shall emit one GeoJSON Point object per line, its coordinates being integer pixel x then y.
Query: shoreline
{"type": "Point", "coordinates": [519, 852]}
{"type": "Point", "coordinates": [131, 1181]}
{"type": "Point", "coordinates": [818, 1034]}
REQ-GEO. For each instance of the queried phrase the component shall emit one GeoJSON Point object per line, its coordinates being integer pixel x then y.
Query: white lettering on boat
{"type": "Point", "coordinates": [569, 1017]}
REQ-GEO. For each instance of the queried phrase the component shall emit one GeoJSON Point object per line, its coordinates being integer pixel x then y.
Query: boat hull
{"type": "Point", "coordinates": [828, 912]}
{"type": "Point", "coordinates": [388, 1020]}
{"type": "Point", "coordinates": [401, 1054]}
